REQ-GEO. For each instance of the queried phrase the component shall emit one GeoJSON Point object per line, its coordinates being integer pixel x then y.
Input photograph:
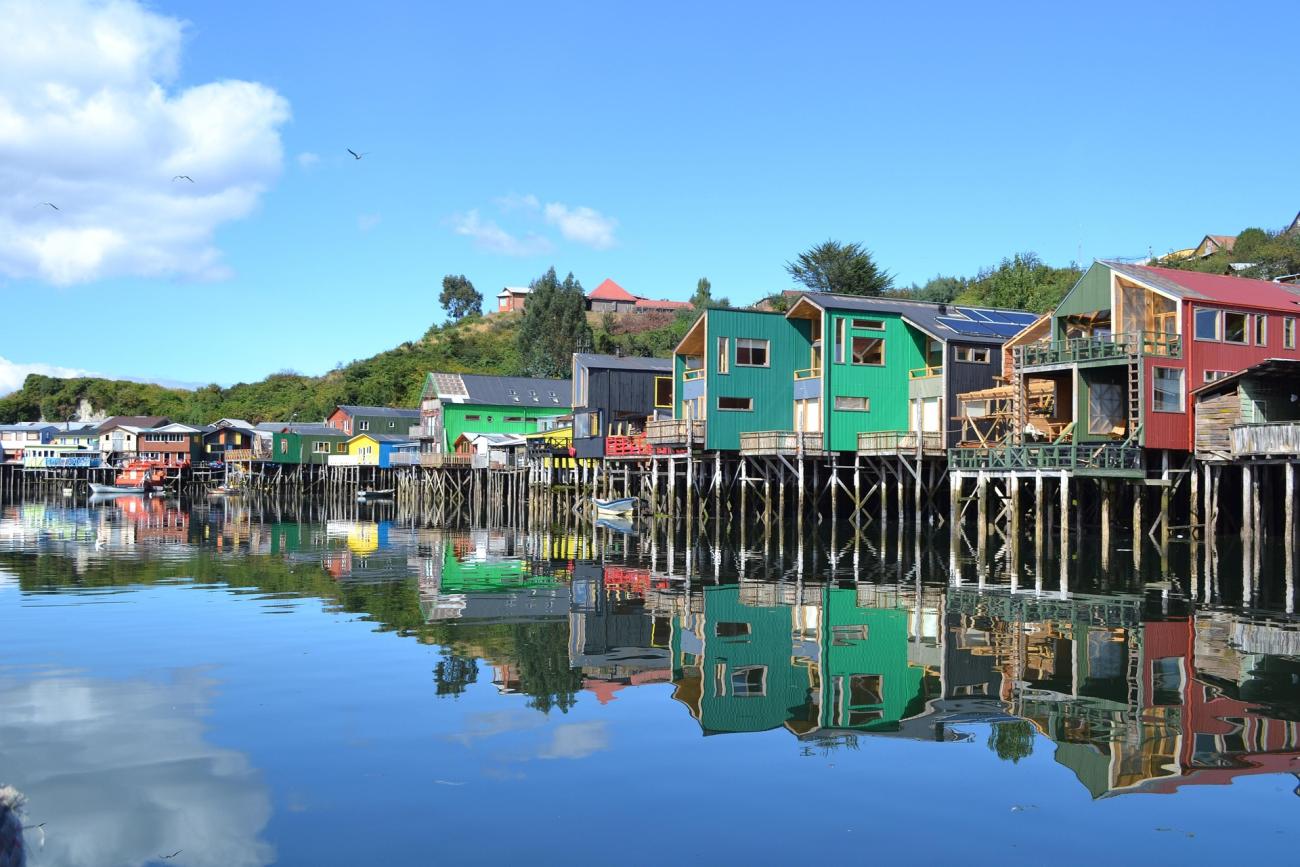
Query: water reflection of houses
{"type": "Point", "coordinates": [478, 576]}
{"type": "Point", "coordinates": [613, 639]}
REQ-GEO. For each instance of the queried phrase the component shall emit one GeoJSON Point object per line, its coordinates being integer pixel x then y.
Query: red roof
{"type": "Point", "coordinates": [611, 291]}
{"type": "Point", "coordinates": [1219, 288]}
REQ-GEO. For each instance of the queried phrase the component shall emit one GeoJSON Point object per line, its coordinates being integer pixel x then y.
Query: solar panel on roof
{"type": "Point", "coordinates": [965, 311]}
{"type": "Point", "coordinates": [1005, 329]}
{"type": "Point", "coordinates": [966, 326]}
{"type": "Point", "coordinates": [1020, 318]}
{"type": "Point", "coordinates": [995, 316]}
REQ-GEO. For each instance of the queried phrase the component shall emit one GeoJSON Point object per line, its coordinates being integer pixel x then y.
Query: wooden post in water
{"type": "Point", "coordinates": [981, 515]}
{"type": "Point", "coordinates": [1139, 492]}
{"type": "Point", "coordinates": [1247, 519]}
{"type": "Point", "coordinates": [955, 481]}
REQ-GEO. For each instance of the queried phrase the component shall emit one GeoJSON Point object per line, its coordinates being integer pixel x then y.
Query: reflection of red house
{"type": "Point", "coordinates": [1222, 737]}
{"type": "Point", "coordinates": [636, 582]}
{"type": "Point", "coordinates": [604, 689]}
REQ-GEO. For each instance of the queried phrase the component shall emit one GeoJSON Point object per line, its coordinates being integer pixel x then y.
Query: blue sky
{"type": "Point", "coordinates": [653, 144]}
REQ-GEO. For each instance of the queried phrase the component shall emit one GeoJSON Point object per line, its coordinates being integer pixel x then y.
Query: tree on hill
{"type": "Point", "coordinates": [1022, 282]}
{"type": "Point", "coordinates": [703, 296]}
{"type": "Point", "coordinates": [554, 326]}
{"type": "Point", "coordinates": [844, 269]}
{"type": "Point", "coordinates": [940, 289]}
{"type": "Point", "coordinates": [459, 297]}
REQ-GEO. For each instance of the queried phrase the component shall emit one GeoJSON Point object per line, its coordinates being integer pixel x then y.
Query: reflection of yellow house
{"type": "Point", "coordinates": [363, 537]}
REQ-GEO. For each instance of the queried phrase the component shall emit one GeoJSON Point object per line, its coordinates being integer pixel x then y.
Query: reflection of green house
{"type": "Point", "coordinates": [478, 575]}
{"type": "Point", "coordinates": [867, 683]}
{"type": "Point", "coordinates": [732, 665]}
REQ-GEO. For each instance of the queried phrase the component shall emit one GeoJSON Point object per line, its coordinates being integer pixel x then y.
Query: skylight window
{"type": "Point", "coordinates": [514, 394]}
{"type": "Point", "coordinates": [532, 393]}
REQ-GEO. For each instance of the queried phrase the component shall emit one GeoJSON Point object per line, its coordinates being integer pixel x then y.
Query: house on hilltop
{"type": "Point", "coordinates": [609, 297]}
{"type": "Point", "coordinates": [512, 299]}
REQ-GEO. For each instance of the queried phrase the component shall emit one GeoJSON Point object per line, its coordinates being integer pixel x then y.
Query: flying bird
{"type": "Point", "coordinates": [183, 178]}
{"type": "Point", "coordinates": [356, 155]}
{"type": "Point", "coordinates": [50, 204]}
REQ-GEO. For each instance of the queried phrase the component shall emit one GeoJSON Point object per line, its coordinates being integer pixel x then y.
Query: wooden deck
{"type": "Point", "coordinates": [781, 442]}
{"type": "Point", "coordinates": [1280, 439]}
{"type": "Point", "coordinates": [444, 460]}
{"type": "Point", "coordinates": [673, 432]}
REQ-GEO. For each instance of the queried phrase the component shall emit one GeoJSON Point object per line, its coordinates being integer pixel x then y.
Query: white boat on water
{"type": "Point", "coordinates": [380, 494]}
{"type": "Point", "coordinates": [96, 488]}
{"type": "Point", "coordinates": [619, 507]}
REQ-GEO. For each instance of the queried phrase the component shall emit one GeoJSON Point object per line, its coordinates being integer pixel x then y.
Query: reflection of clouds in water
{"type": "Point", "coordinates": [499, 722]}
{"type": "Point", "coordinates": [576, 741]}
{"type": "Point", "coordinates": [120, 774]}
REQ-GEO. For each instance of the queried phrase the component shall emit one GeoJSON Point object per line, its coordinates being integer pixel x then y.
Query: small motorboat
{"type": "Point", "coordinates": [616, 508]}
{"type": "Point", "coordinates": [375, 494]}
{"type": "Point", "coordinates": [114, 490]}
{"type": "Point", "coordinates": [223, 491]}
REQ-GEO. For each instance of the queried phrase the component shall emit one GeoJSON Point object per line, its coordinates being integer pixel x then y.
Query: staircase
{"type": "Point", "coordinates": [1135, 397]}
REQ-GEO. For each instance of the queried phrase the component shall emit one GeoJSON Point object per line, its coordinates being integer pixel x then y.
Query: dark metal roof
{"type": "Point", "coordinates": [141, 421]}
{"type": "Point", "coordinates": [1285, 368]}
{"type": "Point", "coordinates": [380, 411]}
{"type": "Point", "coordinates": [309, 429]}
{"type": "Point", "coordinates": [621, 362]}
{"type": "Point", "coordinates": [385, 438]}
{"type": "Point", "coordinates": [476, 388]}
{"type": "Point", "coordinates": [945, 322]}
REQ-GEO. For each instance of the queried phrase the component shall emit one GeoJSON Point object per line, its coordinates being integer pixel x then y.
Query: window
{"type": "Point", "coordinates": [363, 425]}
{"type": "Point", "coordinates": [1234, 327]}
{"type": "Point", "coordinates": [473, 418]}
{"type": "Point", "coordinates": [532, 395]}
{"type": "Point", "coordinates": [392, 424]}
{"type": "Point", "coordinates": [971, 354]}
{"type": "Point", "coordinates": [866, 689]}
{"type": "Point", "coordinates": [586, 424]}
{"type": "Point", "coordinates": [513, 419]}
{"type": "Point", "coordinates": [341, 448]}
{"type": "Point", "coordinates": [1167, 389]}
{"type": "Point", "coordinates": [853, 404]}
{"type": "Point", "coordinates": [736, 404]}
{"type": "Point", "coordinates": [663, 391]}
{"type": "Point", "coordinates": [1167, 682]}
{"type": "Point", "coordinates": [934, 353]}
{"type": "Point", "coordinates": [749, 681]}
{"type": "Point", "coordinates": [869, 350]}
{"type": "Point", "coordinates": [1288, 333]}
{"type": "Point", "coordinates": [320, 447]}
{"type": "Point", "coordinates": [840, 331]}
{"type": "Point", "coordinates": [869, 324]}
{"type": "Point", "coordinates": [284, 447]}
{"type": "Point", "coordinates": [731, 630]}
{"type": "Point", "coordinates": [1261, 329]}
{"type": "Point", "coordinates": [751, 352]}
{"type": "Point", "coordinates": [1212, 375]}
{"type": "Point", "coordinates": [1206, 324]}
{"type": "Point", "coordinates": [845, 635]}
{"type": "Point", "coordinates": [724, 354]}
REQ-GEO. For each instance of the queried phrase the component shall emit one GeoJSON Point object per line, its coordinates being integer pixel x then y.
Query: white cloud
{"type": "Point", "coordinates": [119, 771]}
{"type": "Point", "coordinates": [487, 235]}
{"type": "Point", "coordinates": [576, 741]}
{"type": "Point", "coordinates": [366, 222]}
{"type": "Point", "coordinates": [12, 374]}
{"type": "Point", "coordinates": [582, 224]}
{"type": "Point", "coordinates": [87, 122]}
{"type": "Point", "coordinates": [308, 160]}
{"type": "Point", "coordinates": [516, 202]}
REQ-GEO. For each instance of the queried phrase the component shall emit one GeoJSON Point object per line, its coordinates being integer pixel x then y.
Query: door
{"type": "Point", "coordinates": [925, 415]}
{"type": "Point", "coordinates": [808, 415]}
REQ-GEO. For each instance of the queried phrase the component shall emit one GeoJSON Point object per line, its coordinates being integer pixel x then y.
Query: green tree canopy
{"type": "Point", "coordinates": [1012, 741]}
{"type": "Point", "coordinates": [1022, 282]}
{"type": "Point", "coordinates": [459, 297]}
{"type": "Point", "coordinates": [554, 326]}
{"type": "Point", "coordinates": [845, 269]}
{"type": "Point", "coordinates": [939, 288]}
{"type": "Point", "coordinates": [703, 296]}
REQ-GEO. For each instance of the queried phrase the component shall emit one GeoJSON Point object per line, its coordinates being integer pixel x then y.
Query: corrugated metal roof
{"type": "Point", "coordinates": [476, 388]}
{"type": "Point", "coordinates": [1287, 367]}
{"type": "Point", "coordinates": [946, 322]}
{"type": "Point", "coordinates": [610, 291]}
{"type": "Point", "coordinates": [381, 411]}
{"type": "Point", "coordinates": [1220, 288]}
{"type": "Point", "coordinates": [384, 438]}
{"type": "Point", "coordinates": [595, 361]}
{"type": "Point", "coordinates": [140, 421]}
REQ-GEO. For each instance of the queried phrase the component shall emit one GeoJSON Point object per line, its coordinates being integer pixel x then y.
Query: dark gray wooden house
{"type": "Point", "coordinates": [613, 396]}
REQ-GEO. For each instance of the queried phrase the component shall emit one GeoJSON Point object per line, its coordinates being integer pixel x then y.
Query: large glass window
{"type": "Point", "coordinates": [934, 353]}
{"type": "Point", "coordinates": [866, 689]}
{"type": "Point", "coordinates": [1288, 333]}
{"type": "Point", "coordinates": [663, 391]}
{"type": "Point", "coordinates": [852, 404]}
{"type": "Point", "coordinates": [1106, 409]}
{"type": "Point", "coordinates": [1167, 682]}
{"type": "Point", "coordinates": [1234, 327]}
{"type": "Point", "coordinates": [730, 629]}
{"type": "Point", "coordinates": [1167, 389]}
{"type": "Point", "coordinates": [972, 354]}
{"type": "Point", "coordinates": [1261, 329]}
{"type": "Point", "coordinates": [869, 350]}
{"type": "Point", "coordinates": [1206, 324]}
{"type": "Point", "coordinates": [586, 424]}
{"type": "Point", "coordinates": [751, 352]}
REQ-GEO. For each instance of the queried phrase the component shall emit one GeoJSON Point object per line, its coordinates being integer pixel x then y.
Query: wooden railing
{"type": "Point", "coordinates": [925, 372]}
{"type": "Point", "coordinates": [673, 432]}
{"type": "Point", "coordinates": [694, 373]}
{"type": "Point", "coordinates": [1113, 457]}
{"type": "Point", "coordinates": [239, 455]}
{"type": "Point", "coordinates": [1111, 347]}
{"type": "Point", "coordinates": [808, 373]}
{"type": "Point", "coordinates": [781, 442]}
{"type": "Point", "coordinates": [1278, 438]}
{"type": "Point", "coordinates": [403, 459]}
{"type": "Point", "coordinates": [632, 445]}
{"type": "Point", "coordinates": [900, 442]}
{"type": "Point", "coordinates": [444, 460]}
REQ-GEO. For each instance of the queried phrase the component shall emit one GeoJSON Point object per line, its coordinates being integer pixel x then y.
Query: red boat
{"type": "Point", "coordinates": [137, 477]}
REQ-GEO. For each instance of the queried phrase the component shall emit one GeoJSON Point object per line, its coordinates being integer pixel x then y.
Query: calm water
{"type": "Point", "coordinates": [230, 686]}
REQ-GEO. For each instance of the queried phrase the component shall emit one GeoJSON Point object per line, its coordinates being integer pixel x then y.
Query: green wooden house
{"type": "Point", "coordinates": [307, 444]}
{"type": "Point", "coordinates": [892, 368]}
{"type": "Point", "coordinates": [452, 404]}
{"type": "Point", "coordinates": [733, 373]}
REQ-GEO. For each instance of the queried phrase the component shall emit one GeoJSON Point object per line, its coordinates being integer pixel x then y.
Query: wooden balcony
{"type": "Point", "coordinates": [444, 460]}
{"type": "Point", "coordinates": [674, 432]}
{"type": "Point", "coordinates": [1114, 347]}
{"type": "Point", "coordinates": [925, 372]}
{"type": "Point", "coordinates": [781, 442]}
{"type": "Point", "coordinates": [807, 373]}
{"type": "Point", "coordinates": [1100, 459]}
{"type": "Point", "coordinates": [900, 442]}
{"type": "Point", "coordinates": [1279, 439]}
{"type": "Point", "coordinates": [232, 456]}
{"type": "Point", "coordinates": [694, 373]}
